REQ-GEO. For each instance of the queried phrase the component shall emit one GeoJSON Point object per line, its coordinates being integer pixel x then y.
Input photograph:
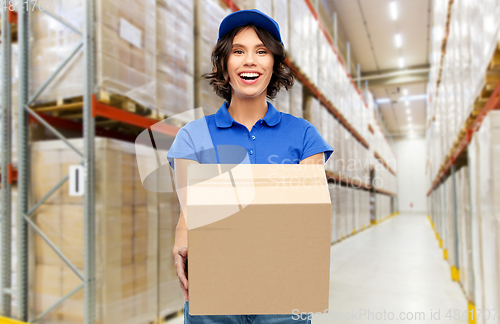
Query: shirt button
{"type": "Point", "coordinates": [261, 121]}
{"type": "Point", "coordinates": [251, 152]}
{"type": "Point", "coordinates": [253, 137]}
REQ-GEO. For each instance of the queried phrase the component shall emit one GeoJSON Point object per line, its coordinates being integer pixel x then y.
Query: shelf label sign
{"type": "Point", "coordinates": [76, 173]}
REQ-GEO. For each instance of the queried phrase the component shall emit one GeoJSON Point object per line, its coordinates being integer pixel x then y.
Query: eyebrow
{"type": "Point", "coordinates": [240, 45]}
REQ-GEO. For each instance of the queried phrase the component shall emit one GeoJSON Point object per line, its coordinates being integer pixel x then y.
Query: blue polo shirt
{"type": "Point", "coordinates": [277, 138]}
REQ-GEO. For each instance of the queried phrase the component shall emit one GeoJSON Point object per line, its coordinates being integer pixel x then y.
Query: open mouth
{"type": "Point", "coordinates": [249, 76]}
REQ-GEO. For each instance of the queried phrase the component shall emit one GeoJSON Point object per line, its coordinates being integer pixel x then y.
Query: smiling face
{"type": "Point", "coordinates": [249, 65]}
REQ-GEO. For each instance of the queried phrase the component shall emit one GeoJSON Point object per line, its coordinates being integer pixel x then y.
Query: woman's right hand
{"type": "Point", "coordinates": [180, 262]}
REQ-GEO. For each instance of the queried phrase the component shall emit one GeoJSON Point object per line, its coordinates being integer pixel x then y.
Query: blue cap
{"type": "Point", "coordinates": [245, 17]}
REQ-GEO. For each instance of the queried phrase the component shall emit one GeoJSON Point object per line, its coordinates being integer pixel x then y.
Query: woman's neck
{"type": "Point", "coordinates": [248, 111]}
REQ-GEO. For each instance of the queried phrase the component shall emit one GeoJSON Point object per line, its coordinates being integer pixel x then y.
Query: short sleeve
{"type": "Point", "coordinates": [314, 144]}
{"type": "Point", "coordinates": [182, 148]}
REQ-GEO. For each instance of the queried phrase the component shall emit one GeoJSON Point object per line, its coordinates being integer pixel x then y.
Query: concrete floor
{"type": "Point", "coordinates": [396, 267]}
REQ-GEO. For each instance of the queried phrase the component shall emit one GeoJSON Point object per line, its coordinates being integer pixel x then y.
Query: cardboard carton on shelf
{"type": "Point", "coordinates": [135, 274]}
{"type": "Point", "coordinates": [263, 223]}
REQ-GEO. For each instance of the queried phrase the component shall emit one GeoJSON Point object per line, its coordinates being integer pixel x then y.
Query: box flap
{"type": "Point", "coordinates": [232, 187]}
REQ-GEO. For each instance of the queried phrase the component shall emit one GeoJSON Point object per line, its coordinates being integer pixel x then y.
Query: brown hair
{"type": "Point", "coordinates": [219, 77]}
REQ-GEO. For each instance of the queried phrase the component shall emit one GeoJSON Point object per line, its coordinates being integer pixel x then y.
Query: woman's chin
{"type": "Point", "coordinates": [247, 95]}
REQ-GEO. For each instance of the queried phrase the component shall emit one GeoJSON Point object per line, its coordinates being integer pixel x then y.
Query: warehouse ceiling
{"type": "Point", "coordinates": [369, 27]}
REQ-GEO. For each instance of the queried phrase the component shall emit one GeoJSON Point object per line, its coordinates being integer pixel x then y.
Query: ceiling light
{"type": "Point", "coordinates": [398, 40]}
{"type": "Point", "coordinates": [408, 111]}
{"type": "Point", "coordinates": [401, 62]}
{"type": "Point", "coordinates": [394, 10]}
{"type": "Point", "coordinates": [407, 103]}
{"type": "Point", "coordinates": [409, 118]}
{"type": "Point", "coordinates": [409, 98]}
{"type": "Point", "coordinates": [405, 92]}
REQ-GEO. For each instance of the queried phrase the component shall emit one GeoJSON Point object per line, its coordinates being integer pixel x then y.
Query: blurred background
{"type": "Point", "coordinates": [405, 91]}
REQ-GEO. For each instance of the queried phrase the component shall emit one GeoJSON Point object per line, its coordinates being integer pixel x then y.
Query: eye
{"type": "Point", "coordinates": [262, 52]}
{"type": "Point", "coordinates": [238, 51]}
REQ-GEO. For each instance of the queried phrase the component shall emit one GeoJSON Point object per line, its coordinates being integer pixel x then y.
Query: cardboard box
{"type": "Point", "coordinates": [127, 235]}
{"type": "Point", "coordinates": [265, 223]}
{"type": "Point", "coordinates": [47, 289]}
{"type": "Point", "coordinates": [48, 220]}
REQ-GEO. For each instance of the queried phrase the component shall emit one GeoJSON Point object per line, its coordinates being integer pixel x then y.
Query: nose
{"type": "Point", "coordinates": [249, 59]}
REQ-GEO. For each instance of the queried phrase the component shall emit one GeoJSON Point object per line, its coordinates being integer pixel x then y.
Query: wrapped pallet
{"type": "Point", "coordinates": [265, 6]}
{"type": "Point", "coordinates": [312, 111]}
{"type": "Point", "coordinates": [484, 160]}
{"type": "Point", "coordinates": [464, 227]}
{"type": "Point", "coordinates": [378, 207]}
{"type": "Point", "coordinates": [332, 189]}
{"type": "Point", "coordinates": [341, 212]}
{"type": "Point", "coordinates": [303, 38]}
{"type": "Point", "coordinates": [366, 208]}
{"type": "Point", "coordinates": [356, 202]}
{"type": "Point", "coordinates": [347, 100]}
{"type": "Point", "coordinates": [366, 165]}
{"type": "Point", "coordinates": [450, 222]}
{"type": "Point", "coordinates": [443, 212]}
{"type": "Point", "coordinates": [282, 101]}
{"type": "Point", "coordinates": [347, 157]}
{"type": "Point", "coordinates": [330, 164]}
{"type": "Point", "coordinates": [174, 64]}
{"type": "Point", "coordinates": [338, 99]}
{"type": "Point", "coordinates": [296, 99]}
{"type": "Point", "coordinates": [280, 14]}
{"type": "Point", "coordinates": [349, 201]}
{"type": "Point", "coordinates": [209, 15]}
{"type": "Point", "coordinates": [356, 107]}
{"type": "Point", "coordinates": [326, 72]}
{"type": "Point", "coordinates": [477, 224]}
{"type": "Point", "coordinates": [324, 122]}
{"type": "Point", "coordinates": [134, 57]}
{"type": "Point", "coordinates": [135, 275]}
{"type": "Point", "coordinates": [341, 163]}
{"type": "Point", "coordinates": [336, 128]}
{"type": "Point", "coordinates": [298, 25]}
{"type": "Point", "coordinates": [382, 206]}
{"type": "Point", "coordinates": [311, 50]}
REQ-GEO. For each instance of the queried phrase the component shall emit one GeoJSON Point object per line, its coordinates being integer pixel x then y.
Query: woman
{"type": "Point", "coordinates": [248, 67]}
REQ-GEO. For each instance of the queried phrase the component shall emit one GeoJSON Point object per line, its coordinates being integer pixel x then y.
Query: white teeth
{"type": "Point", "coordinates": [250, 75]}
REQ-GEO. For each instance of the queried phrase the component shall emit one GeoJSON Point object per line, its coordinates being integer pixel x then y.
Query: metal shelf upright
{"type": "Point", "coordinates": [24, 212]}
{"type": "Point", "coordinates": [6, 166]}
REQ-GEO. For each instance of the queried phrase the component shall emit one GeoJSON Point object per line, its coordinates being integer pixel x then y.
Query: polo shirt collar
{"type": "Point", "coordinates": [224, 119]}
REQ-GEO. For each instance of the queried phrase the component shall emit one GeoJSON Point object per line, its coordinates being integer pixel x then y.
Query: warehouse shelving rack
{"type": "Point", "coordinates": [91, 109]}
{"type": "Point", "coordinates": [464, 140]}
{"type": "Point", "coordinates": [457, 157]}
{"type": "Point", "coordinates": [23, 213]}
{"type": "Point", "coordinates": [336, 113]}
{"type": "Point", "coordinates": [320, 96]}
{"type": "Point", "coordinates": [88, 277]}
